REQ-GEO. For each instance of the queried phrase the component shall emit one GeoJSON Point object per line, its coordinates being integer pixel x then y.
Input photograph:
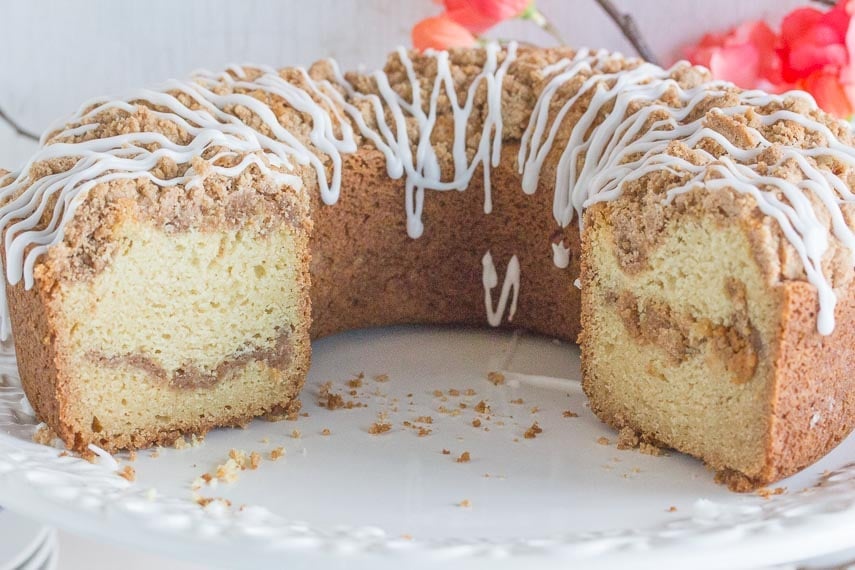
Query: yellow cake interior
{"type": "Point", "coordinates": [681, 348]}
{"type": "Point", "coordinates": [185, 329]}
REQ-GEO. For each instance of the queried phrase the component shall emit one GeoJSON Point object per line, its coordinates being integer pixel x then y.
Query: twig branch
{"type": "Point", "coordinates": [17, 128]}
{"type": "Point", "coordinates": [629, 28]}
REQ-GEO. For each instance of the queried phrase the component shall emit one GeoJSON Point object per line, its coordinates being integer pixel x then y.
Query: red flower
{"type": "Point", "coordinates": [812, 40]}
{"type": "Point", "coordinates": [817, 55]}
{"type": "Point", "coordinates": [479, 15]}
{"type": "Point", "coordinates": [441, 32]}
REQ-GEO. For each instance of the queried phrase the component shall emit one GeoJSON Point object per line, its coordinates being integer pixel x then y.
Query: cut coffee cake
{"type": "Point", "coordinates": [159, 246]}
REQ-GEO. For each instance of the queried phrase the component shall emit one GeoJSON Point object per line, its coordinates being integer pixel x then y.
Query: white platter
{"type": "Point", "coordinates": [20, 539]}
{"type": "Point", "coordinates": [394, 500]}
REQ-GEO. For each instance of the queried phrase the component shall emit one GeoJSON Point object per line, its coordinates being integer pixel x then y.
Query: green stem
{"type": "Point", "coordinates": [533, 14]}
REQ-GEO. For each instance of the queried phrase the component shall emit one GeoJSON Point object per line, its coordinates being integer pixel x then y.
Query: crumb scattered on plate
{"type": "Point", "coordinates": [533, 431]}
{"type": "Point", "coordinates": [128, 473]}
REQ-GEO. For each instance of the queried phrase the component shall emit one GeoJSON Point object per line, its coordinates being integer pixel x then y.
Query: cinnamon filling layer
{"type": "Point", "coordinates": [189, 376]}
{"type": "Point", "coordinates": [652, 322]}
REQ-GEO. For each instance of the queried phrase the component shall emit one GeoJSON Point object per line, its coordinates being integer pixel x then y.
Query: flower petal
{"type": "Point", "coordinates": [441, 32]}
{"type": "Point", "coordinates": [829, 93]}
{"type": "Point", "coordinates": [746, 55]}
{"type": "Point", "coordinates": [499, 10]}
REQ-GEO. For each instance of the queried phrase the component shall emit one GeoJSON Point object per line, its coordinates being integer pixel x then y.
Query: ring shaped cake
{"type": "Point", "coordinates": [164, 250]}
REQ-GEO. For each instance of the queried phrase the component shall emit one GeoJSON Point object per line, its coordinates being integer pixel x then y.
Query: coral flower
{"type": "Point", "coordinates": [441, 32]}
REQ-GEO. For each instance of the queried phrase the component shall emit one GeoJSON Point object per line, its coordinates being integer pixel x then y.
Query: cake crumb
{"type": "Point", "coordinates": [469, 392]}
{"type": "Point", "coordinates": [476, 423]}
{"type": "Point", "coordinates": [239, 457]}
{"type": "Point", "coordinates": [254, 460]}
{"type": "Point", "coordinates": [767, 493]}
{"type": "Point", "coordinates": [44, 435]}
{"type": "Point", "coordinates": [465, 503]}
{"type": "Point", "coordinates": [482, 407]}
{"type": "Point", "coordinates": [296, 434]}
{"type": "Point", "coordinates": [277, 453]}
{"type": "Point", "coordinates": [464, 457]}
{"type": "Point", "coordinates": [329, 399]}
{"type": "Point", "coordinates": [382, 425]}
{"type": "Point", "coordinates": [128, 473]}
{"type": "Point", "coordinates": [228, 471]}
{"type": "Point", "coordinates": [424, 419]}
{"type": "Point", "coordinates": [533, 431]}
{"type": "Point", "coordinates": [132, 456]}
{"type": "Point", "coordinates": [569, 414]}
{"type": "Point", "coordinates": [356, 382]}
{"type": "Point", "coordinates": [381, 378]}
{"type": "Point", "coordinates": [629, 439]}
{"type": "Point", "coordinates": [407, 536]}
{"type": "Point", "coordinates": [602, 440]}
{"type": "Point", "coordinates": [437, 393]}
{"type": "Point", "coordinates": [535, 409]}
{"type": "Point", "coordinates": [672, 509]}
{"type": "Point", "coordinates": [518, 401]}
{"type": "Point", "coordinates": [205, 501]}
{"type": "Point", "coordinates": [454, 392]}
{"type": "Point", "coordinates": [446, 452]}
{"type": "Point", "coordinates": [155, 453]}
{"type": "Point", "coordinates": [496, 378]}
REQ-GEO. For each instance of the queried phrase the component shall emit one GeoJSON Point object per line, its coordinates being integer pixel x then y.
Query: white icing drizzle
{"type": "Point", "coordinates": [621, 147]}
{"type": "Point", "coordinates": [560, 255]}
{"type": "Point", "coordinates": [417, 159]}
{"type": "Point", "coordinates": [108, 460]}
{"type": "Point", "coordinates": [510, 286]}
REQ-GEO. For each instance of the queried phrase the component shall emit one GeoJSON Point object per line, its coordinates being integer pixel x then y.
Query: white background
{"type": "Point", "coordinates": [54, 54]}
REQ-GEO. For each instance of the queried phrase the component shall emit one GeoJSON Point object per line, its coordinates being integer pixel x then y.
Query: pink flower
{"type": "Point", "coordinates": [745, 55]}
{"type": "Point", "coordinates": [441, 32]}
